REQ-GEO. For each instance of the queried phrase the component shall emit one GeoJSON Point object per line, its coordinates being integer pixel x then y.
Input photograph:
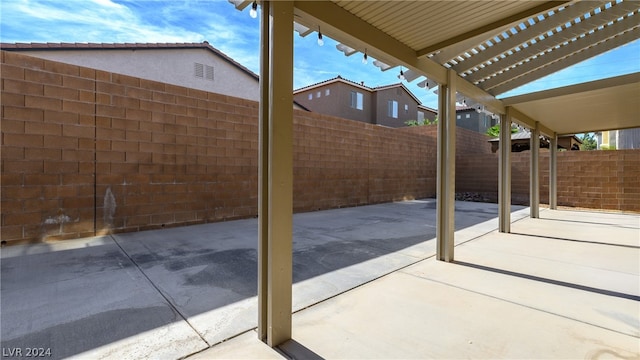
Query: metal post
{"type": "Point", "coordinates": [553, 172]}
{"type": "Point", "coordinates": [263, 174]}
{"type": "Point", "coordinates": [446, 164]}
{"type": "Point", "coordinates": [534, 178]}
{"type": "Point", "coordinates": [279, 197]}
{"type": "Point", "coordinates": [504, 174]}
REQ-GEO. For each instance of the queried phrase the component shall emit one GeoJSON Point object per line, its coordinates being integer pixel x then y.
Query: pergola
{"type": "Point", "coordinates": [470, 49]}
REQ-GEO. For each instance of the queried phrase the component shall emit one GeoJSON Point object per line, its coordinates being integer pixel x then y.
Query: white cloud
{"type": "Point", "coordinates": [83, 21]}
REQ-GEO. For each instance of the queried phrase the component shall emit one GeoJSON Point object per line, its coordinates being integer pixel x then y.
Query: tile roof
{"type": "Point", "coordinates": [525, 135]}
{"type": "Point", "coordinates": [332, 80]}
{"type": "Point", "coordinates": [428, 108]}
{"type": "Point", "coordinates": [359, 85]}
{"type": "Point", "coordinates": [400, 84]}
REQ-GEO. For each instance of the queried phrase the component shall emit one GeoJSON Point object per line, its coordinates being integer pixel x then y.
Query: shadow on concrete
{"type": "Point", "coordinates": [551, 281]}
{"type": "Point", "coordinates": [294, 350]}
{"type": "Point", "coordinates": [610, 224]}
{"type": "Point", "coordinates": [80, 299]}
{"type": "Point", "coordinates": [576, 240]}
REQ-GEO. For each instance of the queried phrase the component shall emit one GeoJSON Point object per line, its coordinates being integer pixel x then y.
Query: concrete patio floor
{"type": "Point", "coordinates": [565, 286]}
{"type": "Point", "coordinates": [366, 286]}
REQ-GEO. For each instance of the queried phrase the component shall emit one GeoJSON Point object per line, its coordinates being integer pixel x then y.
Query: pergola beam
{"type": "Point", "coordinates": [514, 40]}
{"type": "Point", "coordinates": [576, 29]}
{"type": "Point", "coordinates": [474, 92]}
{"type": "Point", "coordinates": [454, 50]}
{"type": "Point", "coordinates": [609, 38]}
{"type": "Point", "coordinates": [544, 7]}
{"type": "Point", "coordinates": [241, 4]}
{"type": "Point", "coordinates": [341, 25]}
{"type": "Point", "coordinates": [525, 120]}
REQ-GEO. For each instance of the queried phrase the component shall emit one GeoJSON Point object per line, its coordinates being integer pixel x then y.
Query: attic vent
{"type": "Point", "coordinates": [208, 72]}
{"type": "Point", "coordinates": [203, 71]}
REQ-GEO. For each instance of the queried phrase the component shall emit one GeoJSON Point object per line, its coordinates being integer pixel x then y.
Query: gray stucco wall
{"type": "Point", "coordinates": [629, 139]}
{"type": "Point", "coordinates": [403, 98]}
{"type": "Point", "coordinates": [338, 102]}
{"type": "Point", "coordinates": [472, 120]}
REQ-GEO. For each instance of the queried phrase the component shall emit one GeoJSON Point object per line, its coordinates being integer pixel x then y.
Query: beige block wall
{"type": "Point", "coordinates": [587, 179]}
{"type": "Point", "coordinates": [87, 152]}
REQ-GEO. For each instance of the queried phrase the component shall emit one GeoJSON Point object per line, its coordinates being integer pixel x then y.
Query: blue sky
{"type": "Point", "coordinates": [237, 35]}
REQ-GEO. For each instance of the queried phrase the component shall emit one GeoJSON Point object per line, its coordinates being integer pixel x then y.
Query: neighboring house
{"type": "Point", "coordinates": [619, 139]}
{"type": "Point", "coordinates": [470, 118]}
{"type": "Point", "coordinates": [390, 105]}
{"type": "Point", "coordinates": [607, 139]}
{"type": "Point", "coordinates": [193, 65]}
{"type": "Point", "coordinates": [520, 142]}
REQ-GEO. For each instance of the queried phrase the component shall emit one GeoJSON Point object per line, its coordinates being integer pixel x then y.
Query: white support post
{"type": "Point", "coordinates": [553, 172]}
{"type": "Point", "coordinates": [276, 164]}
{"type": "Point", "coordinates": [534, 178]}
{"type": "Point", "coordinates": [504, 174]}
{"type": "Point", "coordinates": [446, 163]}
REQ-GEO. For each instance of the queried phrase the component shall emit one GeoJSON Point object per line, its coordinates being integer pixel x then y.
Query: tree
{"type": "Point", "coordinates": [589, 142]}
{"type": "Point", "coordinates": [494, 131]}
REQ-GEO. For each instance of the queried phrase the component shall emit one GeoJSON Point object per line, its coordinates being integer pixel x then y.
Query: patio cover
{"type": "Point", "coordinates": [607, 104]}
{"type": "Point", "coordinates": [471, 49]}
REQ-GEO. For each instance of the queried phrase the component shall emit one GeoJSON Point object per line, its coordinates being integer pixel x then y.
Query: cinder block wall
{"type": "Point", "coordinates": [467, 141]}
{"type": "Point", "coordinates": [341, 162]}
{"type": "Point", "coordinates": [86, 152]}
{"type": "Point", "coordinates": [587, 179]}
{"type": "Point", "coordinates": [48, 148]}
{"type": "Point", "coordinates": [599, 179]}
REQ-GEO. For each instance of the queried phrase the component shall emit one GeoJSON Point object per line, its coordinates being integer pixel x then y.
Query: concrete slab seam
{"type": "Point", "coordinates": [399, 269]}
{"type": "Point", "coordinates": [365, 283]}
{"type": "Point", "coordinates": [218, 343]}
{"type": "Point", "coordinates": [519, 304]}
{"type": "Point", "coordinates": [488, 232]}
{"type": "Point", "coordinates": [160, 291]}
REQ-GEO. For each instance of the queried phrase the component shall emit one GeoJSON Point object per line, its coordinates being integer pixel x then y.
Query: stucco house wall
{"type": "Point", "coordinates": [167, 63]}
{"type": "Point", "coordinates": [399, 94]}
{"type": "Point", "coordinates": [619, 139]}
{"type": "Point", "coordinates": [469, 118]}
{"type": "Point", "coordinates": [333, 97]}
{"type": "Point", "coordinates": [337, 102]}
{"type": "Point", "coordinates": [429, 113]}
